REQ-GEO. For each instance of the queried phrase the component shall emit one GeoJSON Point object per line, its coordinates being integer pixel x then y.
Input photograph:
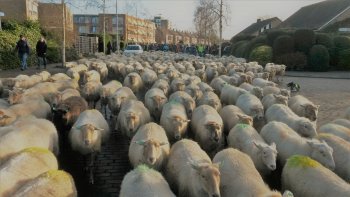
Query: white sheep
{"type": "Point", "coordinates": [177, 85]}
{"type": "Point", "coordinates": [204, 87]}
{"type": "Point", "coordinates": [252, 106]}
{"type": "Point", "coordinates": [133, 114]}
{"type": "Point", "coordinates": [134, 82]}
{"type": "Point", "coordinates": [282, 113]}
{"type": "Point", "coordinates": [50, 183]}
{"type": "Point", "coordinates": [149, 77]}
{"type": "Point", "coordinates": [303, 107]}
{"type": "Point", "coordinates": [91, 92]}
{"type": "Point", "coordinates": [190, 171]}
{"type": "Point", "coordinates": [174, 120]}
{"type": "Point", "coordinates": [276, 90]}
{"type": "Point", "coordinates": [336, 129]}
{"type": "Point", "coordinates": [306, 177]}
{"type": "Point", "coordinates": [342, 122]}
{"type": "Point", "coordinates": [236, 171]}
{"type": "Point", "coordinates": [194, 91]}
{"type": "Point", "coordinates": [229, 94]}
{"type": "Point", "coordinates": [211, 99]}
{"type": "Point", "coordinates": [154, 101]}
{"type": "Point", "coordinates": [58, 77]}
{"type": "Point", "coordinates": [262, 83]}
{"type": "Point", "coordinates": [28, 132]}
{"type": "Point", "coordinates": [232, 115]}
{"type": "Point", "coordinates": [163, 85]}
{"type": "Point", "coordinates": [257, 91]}
{"type": "Point", "coordinates": [270, 99]}
{"type": "Point", "coordinates": [207, 127]}
{"type": "Point", "coordinates": [289, 143]}
{"type": "Point", "coordinates": [218, 84]}
{"type": "Point", "coordinates": [149, 146]}
{"type": "Point", "coordinates": [116, 100]}
{"type": "Point", "coordinates": [185, 99]}
{"type": "Point", "coordinates": [108, 90]}
{"type": "Point", "coordinates": [24, 166]}
{"type": "Point", "coordinates": [341, 152]}
{"type": "Point", "coordinates": [44, 75]}
{"type": "Point", "coordinates": [145, 182]}
{"type": "Point", "coordinates": [246, 139]}
{"type": "Point", "coordinates": [91, 75]}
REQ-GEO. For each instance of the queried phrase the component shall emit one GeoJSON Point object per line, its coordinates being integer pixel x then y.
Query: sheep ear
{"type": "Point", "coordinates": [258, 145]}
{"type": "Point", "coordinates": [273, 145]}
{"type": "Point", "coordinates": [98, 129]}
{"type": "Point", "coordinates": [187, 120]}
{"type": "Point", "coordinates": [194, 165]}
{"type": "Point", "coordinates": [219, 164]}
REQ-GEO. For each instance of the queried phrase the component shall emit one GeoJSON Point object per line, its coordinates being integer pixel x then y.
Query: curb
{"type": "Point", "coordinates": [310, 76]}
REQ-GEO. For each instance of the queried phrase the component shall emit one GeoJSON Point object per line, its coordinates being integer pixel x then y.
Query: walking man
{"type": "Point", "coordinates": [41, 48]}
{"type": "Point", "coordinates": [23, 51]}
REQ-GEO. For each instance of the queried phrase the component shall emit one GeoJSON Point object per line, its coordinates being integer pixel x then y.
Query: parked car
{"type": "Point", "coordinates": [133, 49]}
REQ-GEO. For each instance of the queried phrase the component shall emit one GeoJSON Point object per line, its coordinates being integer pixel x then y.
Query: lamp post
{"type": "Point", "coordinates": [63, 34]}
{"type": "Point", "coordinates": [1, 14]}
{"type": "Point", "coordinates": [116, 10]}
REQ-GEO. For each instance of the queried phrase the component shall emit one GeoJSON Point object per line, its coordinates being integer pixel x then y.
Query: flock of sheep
{"type": "Point", "coordinates": [198, 127]}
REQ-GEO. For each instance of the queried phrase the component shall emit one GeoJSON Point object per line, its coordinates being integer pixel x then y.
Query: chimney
{"type": "Point", "coordinates": [258, 20]}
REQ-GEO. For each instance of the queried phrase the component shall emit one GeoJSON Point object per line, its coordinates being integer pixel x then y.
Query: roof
{"type": "Point", "coordinates": [316, 15]}
{"type": "Point", "coordinates": [258, 25]}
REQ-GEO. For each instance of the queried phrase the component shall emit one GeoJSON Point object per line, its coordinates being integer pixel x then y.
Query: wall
{"type": "Point", "coordinates": [19, 10]}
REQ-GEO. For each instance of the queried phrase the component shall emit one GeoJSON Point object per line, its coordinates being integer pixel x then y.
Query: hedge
{"type": "Point", "coordinates": [254, 43]}
{"type": "Point", "coordinates": [238, 48]}
{"type": "Point", "coordinates": [262, 54]}
{"type": "Point", "coordinates": [293, 61]}
{"type": "Point", "coordinates": [304, 39]}
{"type": "Point", "coordinates": [341, 42]}
{"type": "Point", "coordinates": [283, 45]}
{"type": "Point", "coordinates": [272, 35]}
{"type": "Point", "coordinates": [344, 59]}
{"type": "Point", "coordinates": [324, 40]}
{"type": "Point", "coordinates": [319, 58]}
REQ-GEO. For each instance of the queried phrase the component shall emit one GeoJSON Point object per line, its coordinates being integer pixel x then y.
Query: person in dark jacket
{"type": "Point", "coordinates": [23, 51]}
{"type": "Point", "coordinates": [41, 48]}
{"type": "Point", "coordinates": [109, 48]}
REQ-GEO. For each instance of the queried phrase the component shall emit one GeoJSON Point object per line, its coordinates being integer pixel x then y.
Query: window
{"type": "Point", "coordinates": [93, 29]}
{"type": "Point", "coordinates": [114, 20]}
{"type": "Point", "coordinates": [94, 20]}
{"type": "Point", "coordinates": [83, 29]}
{"type": "Point", "coordinates": [81, 19]}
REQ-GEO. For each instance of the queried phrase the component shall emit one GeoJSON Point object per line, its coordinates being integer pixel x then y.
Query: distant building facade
{"type": "Point", "coordinates": [261, 26]}
{"type": "Point", "coordinates": [19, 10]}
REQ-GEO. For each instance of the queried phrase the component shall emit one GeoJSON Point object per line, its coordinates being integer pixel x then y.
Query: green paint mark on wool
{"type": "Point", "coordinates": [37, 150]}
{"type": "Point", "coordinates": [143, 168]}
{"type": "Point", "coordinates": [54, 174]}
{"type": "Point", "coordinates": [242, 126]}
{"type": "Point", "coordinates": [301, 161]}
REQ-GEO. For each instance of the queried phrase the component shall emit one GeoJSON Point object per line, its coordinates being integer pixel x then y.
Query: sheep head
{"type": "Point", "coordinates": [15, 95]}
{"type": "Point", "coordinates": [280, 99]}
{"type": "Point", "coordinates": [268, 154]}
{"type": "Point", "coordinates": [322, 152]}
{"type": "Point", "coordinates": [90, 134]}
{"type": "Point", "coordinates": [311, 111]}
{"type": "Point", "coordinates": [215, 130]}
{"type": "Point", "coordinates": [152, 150]}
{"type": "Point", "coordinates": [306, 128]}
{"type": "Point", "coordinates": [245, 119]}
{"type": "Point", "coordinates": [179, 124]}
{"type": "Point", "coordinates": [133, 121]}
{"type": "Point", "coordinates": [159, 101]}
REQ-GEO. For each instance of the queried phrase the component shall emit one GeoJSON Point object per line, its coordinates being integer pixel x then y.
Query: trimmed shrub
{"type": "Point", "coordinates": [273, 35]}
{"type": "Point", "coordinates": [319, 58]}
{"type": "Point", "coordinates": [261, 54]}
{"type": "Point", "coordinates": [324, 40]}
{"type": "Point", "coordinates": [241, 37]}
{"type": "Point", "coordinates": [344, 59]}
{"type": "Point", "coordinates": [293, 61]}
{"type": "Point", "coordinates": [283, 45]}
{"type": "Point", "coordinates": [341, 42]}
{"type": "Point", "coordinates": [304, 39]}
{"type": "Point", "coordinates": [254, 43]}
{"type": "Point", "coordinates": [240, 51]}
{"type": "Point", "coordinates": [236, 46]}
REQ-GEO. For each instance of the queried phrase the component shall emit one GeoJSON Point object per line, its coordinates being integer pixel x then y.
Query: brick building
{"type": "Point", "coordinates": [19, 10]}
{"type": "Point", "coordinates": [50, 18]}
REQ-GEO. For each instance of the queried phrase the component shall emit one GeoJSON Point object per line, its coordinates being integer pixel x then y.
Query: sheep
{"type": "Point", "coordinates": [145, 182]}
{"type": "Point", "coordinates": [342, 122]}
{"type": "Point", "coordinates": [257, 91]}
{"type": "Point", "coordinates": [190, 171]}
{"type": "Point", "coordinates": [163, 85]}
{"type": "Point", "coordinates": [289, 143]}
{"type": "Point", "coordinates": [185, 99]}
{"type": "Point", "coordinates": [154, 101]}
{"type": "Point", "coordinates": [149, 77]}
{"type": "Point", "coordinates": [246, 139]}
{"type": "Point", "coordinates": [133, 114]}
{"type": "Point", "coordinates": [337, 130]}
{"type": "Point", "coordinates": [50, 183]}
{"type": "Point", "coordinates": [236, 170]}
{"type": "Point", "coordinates": [341, 152]}
{"type": "Point", "coordinates": [270, 68]}
{"type": "Point", "coordinates": [201, 74]}
{"type": "Point", "coordinates": [211, 99]}
{"type": "Point", "coordinates": [134, 82]}
{"type": "Point", "coordinates": [275, 90]}
{"type": "Point", "coordinates": [271, 99]}
{"type": "Point", "coordinates": [24, 166]}
{"type": "Point", "coordinates": [194, 91]}
{"type": "Point", "coordinates": [204, 87]}
{"type": "Point", "coordinates": [69, 109]}
{"type": "Point", "coordinates": [27, 132]}
{"type": "Point", "coordinates": [303, 107]}
{"type": "Point", "coordinates": [232, 115]}
{"type": "Point", "coordinates": [118, 98]}
{"type": "Point", "coordinates": [29, 82]}
{"type": "Point", "coordinates": [108, 90]}
{"type": "Point", "coordinates": [304, 176]}
{"type": "Point", "coordinates": [149, 146]}
{"type": "Point", "coordinates": [262, 83]}
{"type": "Point", "coordinates": [207, 127]}
{"type": "Point", "coordinates": [44, 75]}
{"type": "Point", "coordinates": [263, 75]}
{"type": "Point", "coordinates": [101, 68]}
{"type": "Point", "coordinates": [73, 74]}
{"type": "Point", "coordinates": [91, 92]}
{"type": "Point", "coordinates": [211, 73]}
{"type": "Point", "coordinates": [347, 113]}
{"type": "Point", "coordinates": [252, 106]}
{"type": "Point", "coordinates": [229, 94]}
{"type": "Point", "coordinates": [58, 77]}
{"type": "Point", "coordinates": [125, 70]}
{"type": "Point", "coordinates": [91, 75]}
{"type": "Point", "coordinates": [174, 120]}
{"type": "Point", "coordinates": [282, 113]}
{"type": "Point", "coordinates": [56, 98]}
{"type": "Point", "coordinates": [218, 84]}
{"type": "Point", "coordinates": [177, 85]}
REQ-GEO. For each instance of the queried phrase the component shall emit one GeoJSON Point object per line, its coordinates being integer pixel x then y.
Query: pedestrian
{"type": "Point", "coordinates": [109, 48]}
{"type": "Point", "coordinates": [23, 51]}
{"type": "Point", "coordinates": [41, 48]}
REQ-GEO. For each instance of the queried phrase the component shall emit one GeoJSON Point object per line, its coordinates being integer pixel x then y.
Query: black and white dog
{"type": "Point", "coordinates": [294, 87]}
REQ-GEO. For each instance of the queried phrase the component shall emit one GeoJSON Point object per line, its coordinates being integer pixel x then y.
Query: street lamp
{"type": "Point", "coordinates": [1, 14]}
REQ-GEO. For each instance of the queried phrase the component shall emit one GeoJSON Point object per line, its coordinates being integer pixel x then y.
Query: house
{"type": "Point", "coordinates": [260, 26]}
{"type": "Point", "coordinates": [19, 10]}
{"type": "Point", "coordinates": [319, 16]}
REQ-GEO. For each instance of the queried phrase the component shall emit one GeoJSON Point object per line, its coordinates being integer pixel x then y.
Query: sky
{"type": "Point", "coordinates": [180, 12]}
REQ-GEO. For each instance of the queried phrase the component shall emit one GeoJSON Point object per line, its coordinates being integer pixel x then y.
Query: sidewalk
{"type": "Point", "coordinates": [329, 75]}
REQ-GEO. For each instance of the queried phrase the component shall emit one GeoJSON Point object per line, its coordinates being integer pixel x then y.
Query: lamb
{"type": "Point", "coordinates": [211, 99]}
{"type": "Point", "coordinates": [89, 132]}
{"type": "Point", "coordinates": [252, 106]}
{"type": "Point", "coordinates": [118, 98]}
{"type": "Point", "coordinates": [154, 101]}
{"type": "Point", "coordinates": [232, 115]}
{"type": "Point", "coordinates": [28, 132]}
{"type": "Point", "coordinates": [342, 122]}
{"type": "Point", "coordinates": [316, 179]}
{"type": "Point", "coordinates": [275, 90]}
{"type": "Point", "coordinates": [149, 146]}
{"type": "Point", "coordinates": [92, 75]}
{"type": "Point", "coordinates": [177, 85]}
{"type": "Point", "coordinates": [149, 77]}
{"type": "Point", "coordinates": [289, 143]}
{"type": "Point", "coordinates": [108, 90]}
{"type": "Point", "coordinates": [207, 127]}
{"type": "Point", "coordinates": [91, 92]}
{"type": "Point", "coordinates": [190, 171]}
{"type": "Point", "coordinates": [262, 83]}
{"type": "Point", "coordinates": [133, 114]}
{"type": "Point", "coordinates": [282, 113]}
{"type": "Point", "coordinates": [337, 130]}
{"type": "Point", "coordinates": [303, 107]}
{"type": "Point", "coordinates": [69, 109]}
{"type": "Point", "coordinates": [229, 94]}
{"type": "Point", "coordinates": [134, 82]}
{"type": "Point", "coordinates": [24, 166]}
{"type": "Point", "coordinates": [341, 152]}
{"type": "Point", "coordinates": [271, 99]}
{"type": "Point", "coordinates": [185, 99]}
{"type": "Point", "coordinates": [163, 85]}
{"type": "Point", "coordinates": [174, 120]}
{"type": "Point", "coordinates": [236, 170]}
{"type": "Point", "coordinates": [145, 182]}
